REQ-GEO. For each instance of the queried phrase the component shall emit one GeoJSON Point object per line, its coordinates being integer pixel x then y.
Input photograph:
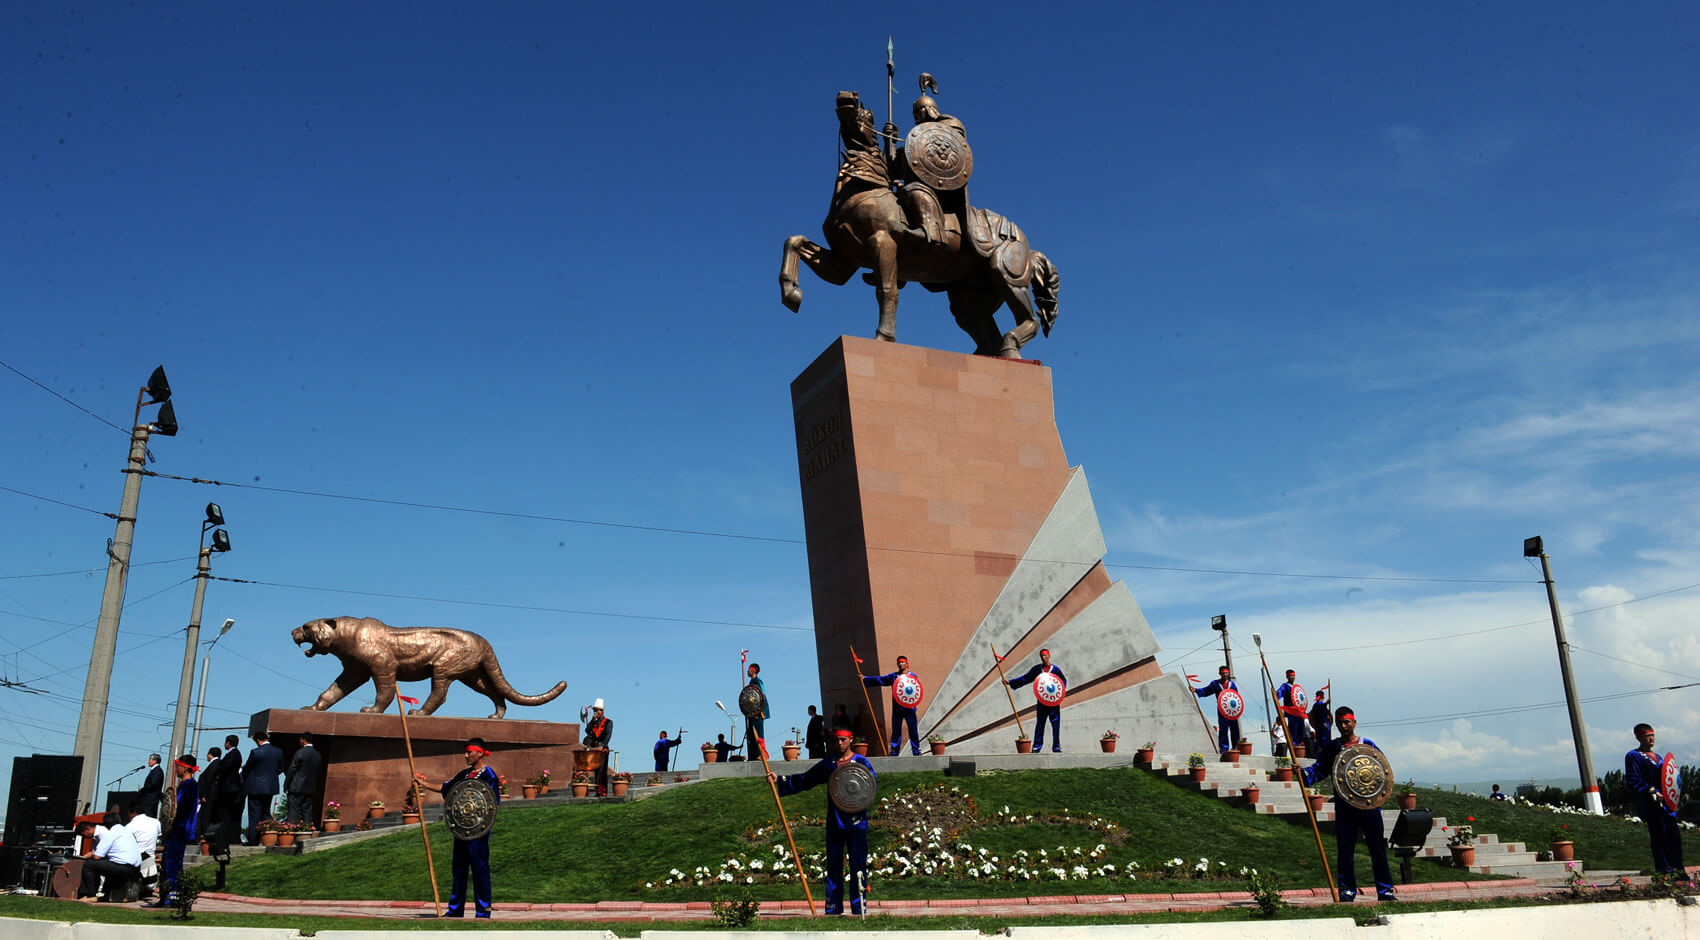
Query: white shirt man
{"type": "Point", "coordinates": [145, 829]}
{"type": "Point", "coordinates": [116, 858]}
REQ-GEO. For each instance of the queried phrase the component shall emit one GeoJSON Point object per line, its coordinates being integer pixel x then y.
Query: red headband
{"type": "Point", "coordinates": [185, 766]}
{"type": "Point", "coordinates": [843, 733]}
{"type": "Point", "coordinates": [1348, 713]}
{"type": "Point", "coordinates": [1044, 652]}
{"type": "Point", "coordinates": [473, 748]}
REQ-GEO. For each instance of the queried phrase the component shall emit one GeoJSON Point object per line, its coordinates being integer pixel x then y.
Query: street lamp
{"type": "Point", "coordinates": [206, 660]}
{"type": "Point", "coordinates": [1534, 548]}
{"type": "Point", "coordinates": [203, 574]}
{"type": "Point", "coordinates": [91, 721]}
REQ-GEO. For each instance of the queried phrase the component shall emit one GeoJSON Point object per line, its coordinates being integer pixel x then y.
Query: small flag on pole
{"type": "Point", "coordinates": [858, 659]}
{"type": "Point", "coordinates": [1191, 678]}
{"type": "Point", "coordinates": [762, 743]}
{"type": "Point", "coordinates": [408, 699]}
{"type": "Point", "coordinates": [999, 658]}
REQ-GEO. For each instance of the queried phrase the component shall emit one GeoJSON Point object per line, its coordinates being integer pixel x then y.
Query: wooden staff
{"type": "Point", "coordinates": [1020, 729]}
{"type": "Point", "coordinates": [773, 785]}
{"type": "Point", "coordinates": [878, 728]}
{"type": "Point", "coordinates": [1207, 728]}
{"type": "Point", "coordinates": [1333, 887]}
{"type": "Point", "coordinates": [402, 702]}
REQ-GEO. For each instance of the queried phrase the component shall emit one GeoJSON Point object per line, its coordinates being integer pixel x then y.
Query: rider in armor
{"type": "Point", "coordinates": [938, 214]}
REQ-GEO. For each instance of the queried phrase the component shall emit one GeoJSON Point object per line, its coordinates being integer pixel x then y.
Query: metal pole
{"type": "Point", "coordinates": [1578, 730]}
{"type": "Point", "coordinates": [91, 721]}
{"type": "Point", "coordinates": [201, 703]}
{"type": "Point", "coordinates": [186, 684]}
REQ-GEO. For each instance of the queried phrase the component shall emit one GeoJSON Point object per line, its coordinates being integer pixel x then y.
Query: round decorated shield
{"type": "Point", "coordinates": [906, 690]}
{"type": "Point", "coordinates": [1362, 776]}
{"type": "Point", "coordinates": [852, 787]}
{"type": "Point", "coordinates": [751, 700]}
{"type": "Point", "coordinates": [469, 808]}
{"type": "Point", "coordinates": [1048, 689]}
{"type": "Point", "coordinates": [1297, 697]}
{"type": "Point", "coordinates": [1230, 704]}
{"type": "Point", "coordinates": [1670, 784]}
{"type": "Point", "coordinates": [938, 156]}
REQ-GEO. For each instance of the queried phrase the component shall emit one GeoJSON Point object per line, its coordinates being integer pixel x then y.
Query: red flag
{"type": "Point", "coordinates": [762, 743]}
{"type": "Point", "coordinates": [1326, 687]}
{"type": "Point", "coordinates": [1191, 678]}
{"type": "Point", "coordinates": [744, 657]}
{"type": "Point", "coordinates": [997, 657]}
{"type": "Point", "coordinates": [858, 659]}
{"type": "Point", "coordinates": [408, 700]}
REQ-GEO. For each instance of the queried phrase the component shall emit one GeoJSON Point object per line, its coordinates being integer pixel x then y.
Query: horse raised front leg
{"type": "Point", "coordinates": [828, 266]}
{"type": "Point", "coordinates": [885, 270]}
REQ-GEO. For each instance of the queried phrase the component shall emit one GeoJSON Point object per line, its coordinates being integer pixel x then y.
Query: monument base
{"type": "Point", "coordinates": [365, 758]}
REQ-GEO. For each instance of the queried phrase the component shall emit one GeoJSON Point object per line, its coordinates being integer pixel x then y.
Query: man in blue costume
{"type": "Point", "coordinates": [663, 748]}
{"type": "Point", "coordinates": [1642, 771]}
{"type": "Point", "coordinates": [902, 716]}
{"type": "Point", "coordinates": [843, 830]}
{"type": "Point", "coordinates": [1051, 713]}
{"type": "Point", "coordinates": [473, 854]}
{"type": "Point", "coordinates": [1349, 821]}
{"type": "Point", "coordinates": [755, 729]}
{"type": "Point", "coordinates": [1298, 711]}
{"type": "Point", "coordinates": [1228, 729]}
{"type": "Point", "coordinates": [182, 831]}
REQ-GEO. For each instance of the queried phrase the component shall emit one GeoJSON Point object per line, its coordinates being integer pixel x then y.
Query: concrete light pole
{"type": "Point", "coordinates": [91, 721]}
{"type": "Point", "coordinates": [1533, 548]}
{"type": "Point", "coordinates": [203, 574]}
{"type": "Point", "coordinates": [201, 703]}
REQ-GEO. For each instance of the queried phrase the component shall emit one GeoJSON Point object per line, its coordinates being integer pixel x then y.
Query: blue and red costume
{"type": "Point", "coordinates": [1349, 823]}
{"type": "Point", "coordinates": [1228, 729]}
{"type": "Point", "coordinates": [1051, 713]}
{"type": "Point", "coordinates": [179, 837]}
{"type": "Point", "coordinates": [902, 716]}
{"type": "Point", "coordinates": [844, 831]}
{"type": "Point", "coordinates": [473, 854]}
{"type": "Point", "coordinates": [1642, 773]}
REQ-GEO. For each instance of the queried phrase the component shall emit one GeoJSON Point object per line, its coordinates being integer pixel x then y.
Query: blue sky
{"type": "Point", "coordinates": [1346, 291]}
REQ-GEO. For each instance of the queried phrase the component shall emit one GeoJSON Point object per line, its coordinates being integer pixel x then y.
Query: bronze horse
{"type": "Point", "coordinates": [990, 265]}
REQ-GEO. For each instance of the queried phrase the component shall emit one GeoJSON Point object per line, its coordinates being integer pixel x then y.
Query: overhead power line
{"type": "Point", "coordinates": [62, 398]}
{"type": "Point", "coordinates": [55, 574]}
{"type": "Point", "coordinates": [57, 502]}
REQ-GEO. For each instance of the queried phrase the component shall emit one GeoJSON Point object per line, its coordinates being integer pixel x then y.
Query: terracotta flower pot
{"type": "Point", "coordinates": [861, 748]}
{"type": "Point", "coordinates": [268, 838]}
{"type": "Point", "coordinates": [1464, 855]}
{"type": "Point", "coordinates": [1245, 747]}
{"type": "Point", "coordinates": [618, 787]}
{"type": "Point", "coordinates": [791, 752]}
{"type": "Point", "coordinates": [1563, 851]}
{"type": "Point", "coordinates": [1407, 801]}
{"type": "Point", "coordinates": [1298, 750]}
{"type": "Point", "coordinates": [581, 789]}
{"type": "Point", "coordinates": [285, 839]}
{"type": "Point", "coordinates": [1232, 756]}
{"type": "Point", "coordinates": [1251, 794]}
{"type": "Point", "coordinates": [1144, 755]}
{"type": "Point", "coordinates": [543, 790]}
{"type": "Point", "coordinates": [206, 848]}
{"type": "Point", "coordinates": [652, 783]}
{"type": "Point", "coordinates": [1198, 774]}
{"type": "Point", "coordinates": [710, 755]}
{"type": "Point", "coordinates": [409, 819]}
{"type": "Point", "coordinates": [375, 812]}
{"type": "Point", "coordinates": [1284, 774]}
{"type": "Point", "coordinates": [528, 792]}
{"type": "Point", "coordinates": [1108, 744]}
{"type": "Point", "coordinates": [937, 746]}
{"type": "Point", "coordinates": [1023, 745]}
{"type": "Point", "coordinates": [1318, 800]}
{"type": "Point", "coordinates": [331, 825]}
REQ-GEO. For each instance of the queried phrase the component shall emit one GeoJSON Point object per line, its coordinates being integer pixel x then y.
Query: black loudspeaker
{"type": "Point", "coordinates": [1412, 827]}
{"type": "Point", "coordinates": [959, 768]}
{"type": "Point", "coordinates": [42, 806]}
{"type": "Point", "coordinates": [123, 799]}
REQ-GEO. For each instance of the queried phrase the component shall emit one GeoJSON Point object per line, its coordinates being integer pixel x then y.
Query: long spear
{"type": "Point", "coordinates": [878, 728]}
{"type": "Point", "coordinates": [1207, 728]}
{"type": "Point", "coordinates": [761, 745]}
{"type": "Point", "coordinates": [402, 702]}
{"type": "Point", "coordinates": [1019, 727]}
{"type": "Point", "coordinates": [675, 764]}
{"type": "Point", "coordinates": [890, 79]}
{"type": "Point", "coordinates": [1327, 875]}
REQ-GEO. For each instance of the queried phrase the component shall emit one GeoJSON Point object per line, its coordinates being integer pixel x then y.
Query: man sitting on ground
{"type": "Point", "coordinates": [115, 858]}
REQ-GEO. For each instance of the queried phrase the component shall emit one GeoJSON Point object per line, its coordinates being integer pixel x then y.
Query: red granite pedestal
{"type": "Point", "coordinates": [365, 759]}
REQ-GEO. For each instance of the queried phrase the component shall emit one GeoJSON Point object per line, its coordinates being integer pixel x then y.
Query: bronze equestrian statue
{"type": "Point", "coordinates": [925, 232]}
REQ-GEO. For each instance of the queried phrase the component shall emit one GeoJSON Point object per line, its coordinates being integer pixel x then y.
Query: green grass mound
{"type": "Point", "coordinates": [998, 835]}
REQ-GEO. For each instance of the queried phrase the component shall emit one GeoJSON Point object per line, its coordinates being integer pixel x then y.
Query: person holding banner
{"type": "Point", "coordinates": [1349, 821]}
{"type": "Point", "coordinates": [906, 695]}
{"type": "Point", "coordinates": [845, 831]}
{"type": "Point", "coordinates": [1656, 784]}
{"type": "Point", "coordinates": [1230, 705]}
{"type": "Point", "coordinates": [1047, 710]}
{"type": "Point", "coordinates": [473, 855]}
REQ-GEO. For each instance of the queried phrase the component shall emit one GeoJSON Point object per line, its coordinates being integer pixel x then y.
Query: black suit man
{"type": "Point", "coordinates": [230, 790]}
{"type": "Point", "coordinates": [303, 781]}
{"type": "Point", "coordinates": [153, 787]}
{"type": "Point", "coordinates": [259, 782]}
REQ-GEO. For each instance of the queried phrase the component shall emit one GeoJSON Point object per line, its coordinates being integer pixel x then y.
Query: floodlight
{"type": "Point", "coordinates": [159, 389]}
{"type": "Point", "coordinates": [215, 515]}
{"type": "Point", "coordinates": [1532, 547]}
{"type": "Point", "coordinates": [165, 423]}
{"type": "Point", "coordinates": [220, 541]}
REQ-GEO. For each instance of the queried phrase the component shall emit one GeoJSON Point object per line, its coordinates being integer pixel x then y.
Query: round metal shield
{"type": "Point", "coordinates": [852, 787]}
{"type": "Point", "coordinates": [1049, 689]}
{"type": "Point", "coordinates": [906, 690]}
{"type": "Point", "coordinates": [1297, 697]}
{"type": "Point", "coordinates": [1230, 704]}
{"type": "Point", "coordinates": [938, 156]}
{"type": "Point", "coordinates": [469, 808]}
{"type": "Point", "coordinates": [751, 700]}
{"type": "Point", "coordinates": [1362, 776]}
{"type": "Point", "coordinates": [1670, 784]}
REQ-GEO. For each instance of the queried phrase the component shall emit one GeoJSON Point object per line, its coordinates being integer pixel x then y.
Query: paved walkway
{"type": "Point", "coordinates": [1085, 905]}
